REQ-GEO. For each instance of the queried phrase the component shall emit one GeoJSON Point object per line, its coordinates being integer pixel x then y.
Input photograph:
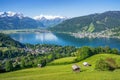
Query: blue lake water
{"type": "Point", "coordinates": [64, 40]}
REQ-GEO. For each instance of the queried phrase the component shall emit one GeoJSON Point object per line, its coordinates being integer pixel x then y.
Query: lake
{"type": "Point", "coordinates": [64, 39]}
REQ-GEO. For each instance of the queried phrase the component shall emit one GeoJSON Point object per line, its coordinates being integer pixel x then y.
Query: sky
{"type": "Point", "coordinates": [69, 8]}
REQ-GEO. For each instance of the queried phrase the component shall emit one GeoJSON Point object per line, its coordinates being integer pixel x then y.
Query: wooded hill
{"type": "Point", "coordinates": [90, 23]}
{"type": "Point", "coordinates": [6, 41]}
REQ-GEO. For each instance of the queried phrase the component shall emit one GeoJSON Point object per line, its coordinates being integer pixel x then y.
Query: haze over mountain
{"type": "Point", "coordinates": [50, 21]}
{"type": "Point", "coordinates": [90, 23]}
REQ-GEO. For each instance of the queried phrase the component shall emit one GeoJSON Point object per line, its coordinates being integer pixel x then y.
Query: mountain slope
{"type": "Point", "coordinates": [11, 20]}
{"type": "Point", "coordinates": [90, 23]}
{"type": "Point", "coordinates": [6, 41]}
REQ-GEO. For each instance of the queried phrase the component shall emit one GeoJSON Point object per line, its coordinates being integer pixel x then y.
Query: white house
{"type": "Point", "coordinates": [86, 64]}
{"type": "Point", "coordinates": [75, 68]}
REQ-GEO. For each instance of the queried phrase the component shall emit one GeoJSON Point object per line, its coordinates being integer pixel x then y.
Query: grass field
{"type": "Point", "coordinates": [66, 60]}
{"type": "Point", "coordinates": [64, 72]}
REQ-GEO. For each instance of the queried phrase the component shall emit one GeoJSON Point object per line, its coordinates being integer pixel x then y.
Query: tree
{"type": "Point", "coordinates": [106, 64]}
{"type": "Point", "coordinates": [83, 53]}
{"type": "Point", "coordinates": [22, 65]}
{"type": "Point", "coordinates": [16, 66]}
{"type": "Point", "coordinates": [101, 65]}
{"type": "Point", "coordinates": [50, 57]}
{"type": "Point", "coordinates": [8, 66]}
{"type": "Point", "coordinates": [43, 62]}
{"type": "Point", "coordinates": [115, 51]}
{"type": "Point", "coordinates": [107, 49]}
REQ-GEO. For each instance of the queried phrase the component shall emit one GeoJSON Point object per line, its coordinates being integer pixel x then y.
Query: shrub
{"type": "Point", "coordinates": [112, 63]}
{"type": "Point", "coordinates": [101, 65]}
{"type": "Point", "coordinates": [105, 64]}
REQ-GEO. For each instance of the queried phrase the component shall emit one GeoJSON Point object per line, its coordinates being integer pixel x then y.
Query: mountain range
{"type": "Point", "coordinates": [12, 20]}
{"type": "Point", "coordinates": [90, 23]}
{"type": "Point", "coordinates": [50, 21]}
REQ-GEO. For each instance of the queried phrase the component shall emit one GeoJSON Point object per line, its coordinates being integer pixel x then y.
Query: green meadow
{"type": "Point", "coordinates": [66, 60]}
{"type": "Point", "coordinates": [64, 72]}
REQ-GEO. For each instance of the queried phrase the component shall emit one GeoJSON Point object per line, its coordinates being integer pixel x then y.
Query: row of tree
{"type": "Point", "coordinates": [85, 52]}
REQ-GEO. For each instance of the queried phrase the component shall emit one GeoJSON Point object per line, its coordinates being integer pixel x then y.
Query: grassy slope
{"type": "Point", "coordinates": [63, 61]}
{"type": "Point", "coordinates": [64, 72]}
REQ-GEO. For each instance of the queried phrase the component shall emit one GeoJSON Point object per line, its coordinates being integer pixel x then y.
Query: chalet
{"type": "Point", "coordinates": [40, 65]}
{"type": "Point", "coordinates": [86, 64]}
{"type": "Point", "coordinates": [75, 68]}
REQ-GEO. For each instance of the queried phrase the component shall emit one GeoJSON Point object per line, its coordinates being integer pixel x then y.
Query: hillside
{"type": "Point", "coordinates": [90, 23]}
{"type": "Point", "coordinates": [64, 72]}
{"type": "Point", "coordinates": [6, 41]}
{"type": "Point", "coordinates": [67, 60]}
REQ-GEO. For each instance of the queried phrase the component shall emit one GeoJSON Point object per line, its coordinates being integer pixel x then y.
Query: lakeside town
{"type": "Point", "coordinates": [102, 34]}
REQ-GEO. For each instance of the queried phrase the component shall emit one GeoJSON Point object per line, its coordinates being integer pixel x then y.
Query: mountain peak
{"type": "Point", "coordinates": [11, 14]}
{"type": "Point", "coordinates": [48, 17]}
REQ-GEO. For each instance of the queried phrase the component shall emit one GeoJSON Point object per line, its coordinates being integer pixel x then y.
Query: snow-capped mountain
{"type": "Point", "coordinates": [15, 20]}
{"type": "Point", "coordinates": [11, 14]}
{"type": "Point", "coordinates": [48, 17]}
{"type": "Point", "coordinates": [49, 20]}
{"type": "Point", "coordinates": [12, 20]}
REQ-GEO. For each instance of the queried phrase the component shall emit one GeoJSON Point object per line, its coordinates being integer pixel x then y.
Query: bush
{"type": "Point", "coordinates": [112, 63]}
{"type": "Point", "coordinates": [105, 64]}
{"type": "Point", "coordinates": [101, 65]}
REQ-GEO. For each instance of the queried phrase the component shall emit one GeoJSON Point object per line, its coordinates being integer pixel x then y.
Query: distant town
{"type": "Point", "coordinates": [102, 34]}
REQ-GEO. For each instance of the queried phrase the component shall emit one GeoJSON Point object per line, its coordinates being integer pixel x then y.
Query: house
{"type": "Point", "coordinates": [75, 68]}
{"type": "Point", "coordinates": [86, 64]}
{"type": "Point", "coordinates": [40, 65]}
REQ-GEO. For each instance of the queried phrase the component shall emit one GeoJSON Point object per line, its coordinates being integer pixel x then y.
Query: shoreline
{"type": "Point", "coordinates": [76, 35]}
{"type": "Point", "coordinates": [93, 35]}
{"type": "Point", "coordinates": [23, 30]}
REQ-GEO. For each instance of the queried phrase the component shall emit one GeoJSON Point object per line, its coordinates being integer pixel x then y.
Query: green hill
{"type": "Point", "coordinates": [90, 23]}
{"type": "Point", "coordinates": [60, 61]}
{"type": "Point", "coordinates": [64, 72]}
{"type": "Point", "coordinates": [6, 41]}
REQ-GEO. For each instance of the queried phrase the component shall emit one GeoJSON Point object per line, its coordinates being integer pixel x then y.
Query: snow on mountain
{"type": "Point", "coordinates": [11, 14]}
{"type": "Point", "coordinates": [48, 17]}
{"type": "Point", "coordinates": [45, 20]}
{"type": "Point", "coordinates": [49, 20]}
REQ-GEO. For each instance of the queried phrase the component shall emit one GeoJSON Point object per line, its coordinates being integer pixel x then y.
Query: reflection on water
{"type": "Point", "coordinates": [64, 40]}
{"type": "Point", "coordinates": [45, 37]}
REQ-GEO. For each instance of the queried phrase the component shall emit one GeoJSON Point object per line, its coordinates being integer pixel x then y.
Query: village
{"type": "Point", "coordinates": [102, 34]}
